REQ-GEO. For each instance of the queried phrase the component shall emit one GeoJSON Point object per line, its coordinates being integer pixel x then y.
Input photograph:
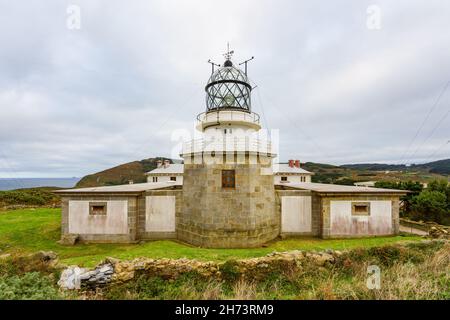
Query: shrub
{"type": "Point", "coordinates": [31, 286]}
{"type": "Point", "coordinates": [430, 206]}
{"type": "Point", "coordinates": [32, 197]}
{"type": "Point", "coordinates": [230, 271]}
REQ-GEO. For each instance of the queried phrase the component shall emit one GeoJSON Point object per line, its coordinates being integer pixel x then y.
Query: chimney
{"type": "Point", "coordinates": [159, 163]}
{"type": "Point", "coordinates": [291, 163]}
{"type": "Point", "coordinates": [297, 163]}
{"type": "Point", "coordinates": [166, 163]}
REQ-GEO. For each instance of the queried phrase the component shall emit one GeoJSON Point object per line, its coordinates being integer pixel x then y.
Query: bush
{"type": "Point", "coordinates": [230, 271]}
{"type": "Point", "coordinates": [31, 286]}
{"type": "Point", "coordinates": [32, 197]}
{"type": "Point", "coordinates": [430, 206]}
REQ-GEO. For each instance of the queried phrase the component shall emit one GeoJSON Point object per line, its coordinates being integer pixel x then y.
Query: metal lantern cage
{"type": "Point", "coordinates": [228, 88]}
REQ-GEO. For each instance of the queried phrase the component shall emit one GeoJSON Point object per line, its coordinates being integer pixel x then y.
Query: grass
{"type": "Point", "coordinates": [415, 271]}
{"type": "Point", "coordinates": [31, 230]}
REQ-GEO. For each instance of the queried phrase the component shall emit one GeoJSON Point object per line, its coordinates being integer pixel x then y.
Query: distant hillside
{"type": "Point", "coordinates": [439, 167]}
{"type": "Point", "coordinates": [121, 174]}
{"type": "Point", "coordinates": [323, 173]}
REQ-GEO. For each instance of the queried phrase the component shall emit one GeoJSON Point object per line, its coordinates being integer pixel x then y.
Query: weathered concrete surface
{"type": "Point", "coordinates": [339, 222]}
{"type": "Point", "coordinates": [296, 214]}
{"type": "Point", "coordinates": [160, 213]}
{"type": "Point", "coordinates": [113, 222]}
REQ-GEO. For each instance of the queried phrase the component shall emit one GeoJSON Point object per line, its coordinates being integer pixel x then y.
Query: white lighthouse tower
{"type": "Point", "coordinates": [228, 191]}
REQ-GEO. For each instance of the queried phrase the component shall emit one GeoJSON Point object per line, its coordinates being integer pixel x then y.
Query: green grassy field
{"type": "Point", "coordinates": [31, 230]}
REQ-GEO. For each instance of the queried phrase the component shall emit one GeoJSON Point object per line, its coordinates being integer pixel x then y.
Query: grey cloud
{"type": "Point", "coordinates": [77, 101]}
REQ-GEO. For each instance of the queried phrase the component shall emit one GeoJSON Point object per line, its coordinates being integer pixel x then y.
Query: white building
{"type": "Point", "coordinates": [166, 172]}
{"type": "Point", "coordinates": [282, 173]}
{"type": "Point", "coordinates": [365, 184]}
{"type": "Point", "coordinates": [290, 173]}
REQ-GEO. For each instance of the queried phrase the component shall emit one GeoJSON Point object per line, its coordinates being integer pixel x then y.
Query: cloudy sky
{"type": "Point", "coordinates": [343, 81]}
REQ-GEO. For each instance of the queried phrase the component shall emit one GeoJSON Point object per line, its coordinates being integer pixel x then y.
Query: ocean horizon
{"type": "Point", "coordinates": [21, 183]}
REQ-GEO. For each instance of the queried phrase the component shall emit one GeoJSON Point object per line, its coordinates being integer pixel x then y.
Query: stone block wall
{"type": "Point", "coordinates": [228, 218]}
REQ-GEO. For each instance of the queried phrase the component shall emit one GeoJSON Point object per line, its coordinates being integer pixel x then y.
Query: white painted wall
{"type": "Point", "coordinates": [114, 222]}
{"type": "Point", "coordinates": [160, 213]}
{"type": "Point", "coordinates": [296, 214]}
{"type": "Point", "coordinates": [342, 222]}
{"type": "Point", "coordinates": [165, 178]}
{"type": "Point", "coordinates": [292, 179]}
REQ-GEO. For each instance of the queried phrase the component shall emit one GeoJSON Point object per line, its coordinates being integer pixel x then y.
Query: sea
{"type": "Point", "coordinates": [20, 183]}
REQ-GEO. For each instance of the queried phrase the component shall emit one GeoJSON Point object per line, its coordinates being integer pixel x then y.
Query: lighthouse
{"type": "Point", "coordinates": [227, 194]}
{"type": "Point", "coordinates": [228, 189]}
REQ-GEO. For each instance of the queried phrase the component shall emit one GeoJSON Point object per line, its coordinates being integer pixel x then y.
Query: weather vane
{"type": "Point", "coordinates": [229, 53]}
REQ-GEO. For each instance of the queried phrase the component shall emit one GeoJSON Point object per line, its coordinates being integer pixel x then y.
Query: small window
{"type": "Point", "coordinates": [361, 208]}
{"type": "Point", "coordinates": [228, 179]}
{"type": "Point", "coordinates": [97, 208]}
{"type": "Point", "coordinates": [173, 178]}
{"type": "Point", "coordinates": [284, 179]}
{"type": "Point", "coordinates": [155, 179]}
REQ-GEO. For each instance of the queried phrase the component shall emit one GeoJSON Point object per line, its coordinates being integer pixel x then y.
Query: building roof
{"type": "Point", "coordinates": [365, 183]}
{"type": "Point", "coordinates": [178, 168]}
{"type": "Point", "coordinates": [173, 168]}
{"type": "Point", "coordinates": [284, 168]}
{"type": "Point", "coordinates": [336, 188]}
{"type": "Point", "coordinates": [127, 188]}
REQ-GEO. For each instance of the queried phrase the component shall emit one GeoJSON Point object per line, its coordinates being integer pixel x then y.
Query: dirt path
{"type": "Point", "coordinates": [413, 231]}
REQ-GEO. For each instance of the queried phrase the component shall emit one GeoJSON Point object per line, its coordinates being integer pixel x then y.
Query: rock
{"type": "Point", "coordinates": [438, 232]}
{"type": "Point", "coordinates": [338, 253]}
{"type": "Point", "coordinates": [76, 278]}
{"type": "Point", "coordinates": [45, 256]}
{"type": "Point", "coordinates": [70, 278]}
{"type": "Point", "coordinates": [69, 239]}
{"type": "Point", "coordinates": [321, 258]}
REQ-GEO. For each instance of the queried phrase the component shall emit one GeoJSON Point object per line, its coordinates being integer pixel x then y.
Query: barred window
{"type": "Point", "coordinates": [361, 208]}
{"type": "Point", "coordinates": [228, 179]}
{"type": "Point", "coordinates": [97, 208]}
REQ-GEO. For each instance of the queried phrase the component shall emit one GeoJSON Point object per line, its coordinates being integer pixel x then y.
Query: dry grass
{"type": "Point", "coordinates": [244, 290]}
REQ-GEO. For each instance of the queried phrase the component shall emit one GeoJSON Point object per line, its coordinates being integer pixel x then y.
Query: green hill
{"type": "Point", "coordinates": [121, 174]}
{"type": "Point", "coordinates": [323, 173]}
{"type": "Point", "coordinates": [439, 167]}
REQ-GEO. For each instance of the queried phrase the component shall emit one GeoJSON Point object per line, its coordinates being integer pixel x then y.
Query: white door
{"type": "Point", "coordinates": [296, 214]}
{"type": "Point", "coordinates": [160, 214]}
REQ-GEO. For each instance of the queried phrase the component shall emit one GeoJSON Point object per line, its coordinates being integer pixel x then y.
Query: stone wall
{"type": "Point", "coordinates": [228, 218]}
{"type": "Point", "coordinates": [129, 236]}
